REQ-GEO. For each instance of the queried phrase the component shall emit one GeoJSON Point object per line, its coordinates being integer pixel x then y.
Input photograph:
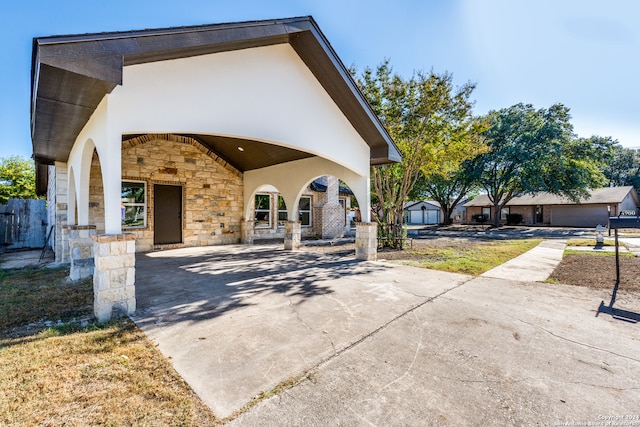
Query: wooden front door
{"type": "Point", "coordinates": [167, 216]}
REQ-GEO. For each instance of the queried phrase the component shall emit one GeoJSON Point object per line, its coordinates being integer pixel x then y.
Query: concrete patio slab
{"type": "Point", "coordinates": [490, 352]}
{"type": "Point", "coordinates": [239, 320]}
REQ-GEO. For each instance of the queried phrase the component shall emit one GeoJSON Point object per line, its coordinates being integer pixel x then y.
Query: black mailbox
{"type": "Point", "coordinates": [618, 222]}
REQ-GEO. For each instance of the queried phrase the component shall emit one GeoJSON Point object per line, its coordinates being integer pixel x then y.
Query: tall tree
{"type": "Point", "coordinates": [623, 167]}
{"type": "Point", "coordinates": [451, 182]}
{"type": "Point", "coordinates": [17, 179]}
{"type": "Point", "coordinates": [447, 189]}
{"type": "Point", "coordinates": [423, 115]}
{"type": "Point", "coordinates": [534, 150]}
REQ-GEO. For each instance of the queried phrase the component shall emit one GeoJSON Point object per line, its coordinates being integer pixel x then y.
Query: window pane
{"type": "Point", "coordinates": [504, 213]}
{"type": "Point", "coordinates": [133, 216]}
{"type": "Point", "coordinates": [305, 203]}
{"type": "Point", "coordinates": [305, 218]}
{"type": "Point", "coordinates": [262, 219]}
{"type": "Point", "coordinates": [486, 212]}
{"type": "Point", "coordinates": [132, 192]}
{"type": "Point", "coordinates": [281, 204]}
{"type": "Point", "coordinates": [263, 201]}
{"type": "Point", "coordinates": [282, 215]}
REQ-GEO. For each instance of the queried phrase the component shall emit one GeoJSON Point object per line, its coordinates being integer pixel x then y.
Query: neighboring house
{"type": "Point", "coordinates": [423, 212]}
{"type": "Point", "coordinates": [429, 212]}
{"type": "Point", "coordinates": [165, 138]}
{"type": "Point", "coordinates": [459, 212]}
{"type": "Point", "coordinates": [549, 209]}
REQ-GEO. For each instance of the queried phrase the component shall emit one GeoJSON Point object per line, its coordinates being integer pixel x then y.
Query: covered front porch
{"type": "Point", "coordinates": [165, 137]}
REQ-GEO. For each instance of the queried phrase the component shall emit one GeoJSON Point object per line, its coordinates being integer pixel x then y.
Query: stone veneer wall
{"type": "Point", "coordinates": [114, 275]}
{"type": "Point", "coordinates": [57, 210]}
{"type": "Point", "coordinates": [212, 190]}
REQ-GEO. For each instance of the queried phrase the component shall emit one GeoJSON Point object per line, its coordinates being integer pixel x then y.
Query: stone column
{"type": "Point", "coordinates": [114, 277]}
{"type": "Point", "coordinates": [81, 250]}
{"type": "Point", "coordinates": [246, 232]}
{"type": "Point", "coordinates": [366, 241]}
{"type": "Point", "coordinates": [292, 232]}
{"type": "Point", "coordinates": [62, 255]}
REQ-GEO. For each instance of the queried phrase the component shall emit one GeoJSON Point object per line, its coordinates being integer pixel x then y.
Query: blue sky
{"type": "Point", "coordinates": [582, 53]}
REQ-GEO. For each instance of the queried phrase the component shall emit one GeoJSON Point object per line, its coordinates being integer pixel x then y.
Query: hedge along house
{"type": "Point", "coordinates": [164, 137]}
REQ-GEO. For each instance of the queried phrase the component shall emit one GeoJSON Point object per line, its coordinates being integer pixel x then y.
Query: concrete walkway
{"type": "Point", "coordinates": [382, 344]}
{"type": "Point", "coordinates": [535, 265]}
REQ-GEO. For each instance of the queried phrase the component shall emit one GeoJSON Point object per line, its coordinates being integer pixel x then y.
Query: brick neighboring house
{"type": "Point", "coordinates": [549, 209]}
{"type": "Point", "coordinates": [167, 138]}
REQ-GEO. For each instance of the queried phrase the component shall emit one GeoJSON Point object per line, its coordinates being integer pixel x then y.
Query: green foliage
{"type": "Point", "coordinates": [429, 120]}
{"type": "Point", "coordinates": [514, 219]}
{"type": "Point", "coordinates": [17, 179]}
{"type": "Point", "coordinates": [535, 150]}
{"type": "Point", "coordinates": [622, 167]}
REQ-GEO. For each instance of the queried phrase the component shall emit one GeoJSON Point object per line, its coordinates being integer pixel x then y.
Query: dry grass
{"type": "Point", "coordinates": [94, 375]}
{"type": "Point", "coordinates": [30, 294]}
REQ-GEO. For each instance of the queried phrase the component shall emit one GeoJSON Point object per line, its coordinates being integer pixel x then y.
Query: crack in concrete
{"type": "Point", "coordinates": [415, 357]}
{"type": "Point", "coordinates": [386, 325]}
{"type": "Point", "coordinates": [526, 380]}
{"type": "Point", "coordinates": [613, 353]}
{"type": "Point", "coordinates": [293, 308]}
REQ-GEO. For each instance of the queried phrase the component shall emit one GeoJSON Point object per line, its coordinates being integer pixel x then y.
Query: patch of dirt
{"type": "Point", "coordinates": [598, 272]}
{"type": "Point", "coordinates": [346, 249]}
{"type": "Point", "coordinates": [349, 249]}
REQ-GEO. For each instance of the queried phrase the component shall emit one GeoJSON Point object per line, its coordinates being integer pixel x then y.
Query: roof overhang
{"type": "Point", "coordinates": [72, 74]}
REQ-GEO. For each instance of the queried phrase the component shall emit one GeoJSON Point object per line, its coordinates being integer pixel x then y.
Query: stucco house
{"type": "Point", "coordinates": [167, 138]}
{"type": "Point", "coordinates": [549, 209]}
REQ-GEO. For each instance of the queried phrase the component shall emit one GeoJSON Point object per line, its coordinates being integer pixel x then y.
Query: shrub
{"type": "Point", "coordinates": [514, 219]}
{"type": "Point", "coordinates": [479, 218]}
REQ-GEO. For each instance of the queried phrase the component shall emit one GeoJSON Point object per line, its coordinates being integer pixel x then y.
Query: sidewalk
{"type": "Point", "coordinates": [535, 265]}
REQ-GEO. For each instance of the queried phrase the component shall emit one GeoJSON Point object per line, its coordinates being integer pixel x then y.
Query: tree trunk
{"type": "Point", "coordinates": [497, 207]}
{"type": "Point", "coordinates": [446, 211]}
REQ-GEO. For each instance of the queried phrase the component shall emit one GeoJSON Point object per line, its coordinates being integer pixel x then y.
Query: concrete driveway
{"type": "Point", "coordinates": [384, 344]}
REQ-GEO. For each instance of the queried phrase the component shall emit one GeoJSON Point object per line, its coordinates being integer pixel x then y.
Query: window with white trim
{"type": "Point", "coordinates": [262, 213]}
{"type": "Point", "coordinates": [133, 204]}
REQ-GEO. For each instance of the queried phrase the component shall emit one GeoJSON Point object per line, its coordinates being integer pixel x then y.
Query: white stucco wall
{"type": "Point", "coordinates": [266, 94]}
{"type": "Point", "coordinates": [292, 178]}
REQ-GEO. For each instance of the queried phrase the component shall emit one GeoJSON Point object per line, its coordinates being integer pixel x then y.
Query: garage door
{"type": "Point", "coordinates": [433, 217]}
{"type": "Point", "coordinates": [424, 217]}
{"type": "Point", "coordinates": [579, 216]}
{"type": "Point", "coordinates": [415, 217]}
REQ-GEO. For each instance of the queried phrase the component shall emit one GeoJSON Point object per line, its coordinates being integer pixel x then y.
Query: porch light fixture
{"type": "Point", "coordinates": [240, 148]}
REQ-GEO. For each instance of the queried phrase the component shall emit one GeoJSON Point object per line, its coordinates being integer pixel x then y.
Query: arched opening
{"type": "Point", "coordinates": [96, 194]}
{"type": "Point", "coordinates": [267, 210]}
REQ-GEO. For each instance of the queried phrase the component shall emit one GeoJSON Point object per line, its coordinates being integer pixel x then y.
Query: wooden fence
{"type": "Point", "coordinates": [23, 224]}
